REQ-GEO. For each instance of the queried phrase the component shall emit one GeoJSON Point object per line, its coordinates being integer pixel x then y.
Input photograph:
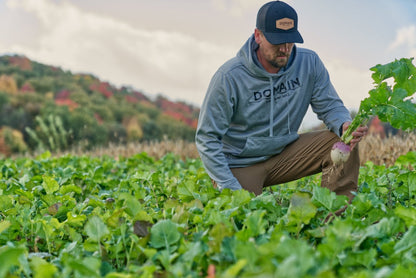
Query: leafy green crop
{"type": "Point", "coordinates": [391, 103]}
{"type": "Point", "coordinates": [138, 217]}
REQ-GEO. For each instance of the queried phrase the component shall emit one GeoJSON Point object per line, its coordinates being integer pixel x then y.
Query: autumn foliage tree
{"type": "Point", "coordinates": [92, 112]}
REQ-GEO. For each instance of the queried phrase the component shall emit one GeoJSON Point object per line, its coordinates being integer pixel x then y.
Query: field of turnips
{"type": "Point", "coordinates": [151, 211]}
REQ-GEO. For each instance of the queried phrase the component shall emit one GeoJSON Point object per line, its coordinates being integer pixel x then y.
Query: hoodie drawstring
{"type": "Point", "coordinates": [271, 108]}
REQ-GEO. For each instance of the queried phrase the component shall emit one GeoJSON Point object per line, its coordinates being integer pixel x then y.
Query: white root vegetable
{"type": "Point", "coordinates": [340, 153]}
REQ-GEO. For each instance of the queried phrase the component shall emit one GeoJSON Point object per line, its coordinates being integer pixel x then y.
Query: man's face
{"type": "Point", "coordinates": [275, 55]}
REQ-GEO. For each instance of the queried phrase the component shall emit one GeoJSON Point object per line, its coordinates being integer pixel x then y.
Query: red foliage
{"type": "Point", "coordinates": [68, 102]}
{"type": "Point", "coordinates": [62, 98]}
{"type": "Point", "coordinates": [376, 128]}
{"type": "Point", "coordinates": [64, 94]}
{"type": "Point", "coordinates": [131, 99]}
{"type": "Point", "coordinates": [176, 106]}
{"type": "Point", "coordinates": [27, 88]}
{"type": "Point", "coordinates": [179, 111]}
{"type": "Point", "coordinates": [181, 117]}
{"type": "Point", "coordinates": [139, 95]}
{"type": "Point", "coordinates": [103, 88]}
{"type": "Point", "coordinates": [20, 61]}
{"type": "Point", "coordinates": [98, 118]}
{"type": "Point", "coordinates": [55, 68]}
{"type": "Point", "coordinates": [135, 96]}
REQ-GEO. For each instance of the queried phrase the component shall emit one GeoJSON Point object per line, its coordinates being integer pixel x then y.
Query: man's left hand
{"type": "Point", "coordinates": [357, 135]}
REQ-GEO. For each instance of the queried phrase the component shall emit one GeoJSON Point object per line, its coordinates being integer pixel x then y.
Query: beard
{"type": "Point", "coordinates": [278, 61]}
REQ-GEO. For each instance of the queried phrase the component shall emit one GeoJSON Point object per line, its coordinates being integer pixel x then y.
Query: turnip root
{"type": "Point", "coordinates": [340, 153]}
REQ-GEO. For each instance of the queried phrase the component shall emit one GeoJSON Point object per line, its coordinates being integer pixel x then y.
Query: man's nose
{"type": "Point", "coordinates": [284, 47]}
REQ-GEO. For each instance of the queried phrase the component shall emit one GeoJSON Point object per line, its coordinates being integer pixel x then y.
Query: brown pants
{"type": "Point", "coordinates": [308, 155]}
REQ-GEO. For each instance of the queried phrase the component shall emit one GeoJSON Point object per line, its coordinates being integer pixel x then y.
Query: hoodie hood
{"type": "Point", "coordinates": [249, 58]}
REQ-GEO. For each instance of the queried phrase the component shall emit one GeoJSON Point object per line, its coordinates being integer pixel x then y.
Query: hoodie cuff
{"type": "Point", "coordinates": [341, 131]}
{"type": "Point", "coordinates": [233, 185]}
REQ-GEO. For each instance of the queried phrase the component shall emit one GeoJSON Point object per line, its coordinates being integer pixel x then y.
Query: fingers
{"type": "Point", "coordinates": [345, 126]}
{"type": "Point", "coordinates": [359, 134]}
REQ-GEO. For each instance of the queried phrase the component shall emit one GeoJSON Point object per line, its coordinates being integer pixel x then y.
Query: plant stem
{"type": "Point", "coordinates": [359, 119]}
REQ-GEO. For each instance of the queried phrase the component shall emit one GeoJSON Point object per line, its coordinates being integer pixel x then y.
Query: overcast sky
{"type": "Point", "coordinates": [173, 47]}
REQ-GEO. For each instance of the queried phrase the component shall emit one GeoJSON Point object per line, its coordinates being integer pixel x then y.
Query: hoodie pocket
{"type": "Point", "coordinates": [266, 146]}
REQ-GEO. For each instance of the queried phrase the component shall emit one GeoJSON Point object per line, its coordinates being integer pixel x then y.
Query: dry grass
{"type": "Point", "coordinates": [386, 151]}
{"type": "Point", "coordinates": [372, 148]}
{"type": "Point", "coordinates": [157, 150]}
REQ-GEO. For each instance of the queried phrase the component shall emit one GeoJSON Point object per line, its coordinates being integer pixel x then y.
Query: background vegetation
{"type": "Point", "coordinates": [46, 108]}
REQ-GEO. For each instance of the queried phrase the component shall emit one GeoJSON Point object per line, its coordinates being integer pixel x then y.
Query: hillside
{"type": "Point", "coordinates": [46, 107]}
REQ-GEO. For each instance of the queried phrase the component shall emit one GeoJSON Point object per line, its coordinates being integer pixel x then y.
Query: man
{"type": "Point", "coordinates": [247, 134]}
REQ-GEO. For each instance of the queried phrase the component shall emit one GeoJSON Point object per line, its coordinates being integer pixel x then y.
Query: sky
{"type": "Point", "coordinates": [173, 47]}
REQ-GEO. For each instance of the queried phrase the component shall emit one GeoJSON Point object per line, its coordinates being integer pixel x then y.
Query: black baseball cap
{"type": "Point", "coordinates": [279, 23]}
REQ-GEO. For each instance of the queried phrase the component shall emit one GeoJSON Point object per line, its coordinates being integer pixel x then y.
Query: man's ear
{"type": "Point", "coordinates": [258, 35]}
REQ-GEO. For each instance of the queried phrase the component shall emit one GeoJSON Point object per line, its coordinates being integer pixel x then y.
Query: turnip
{"type": "Point", "coordinates": [340, 153]}
{"type": "Point", "coordinates": [391, 103]}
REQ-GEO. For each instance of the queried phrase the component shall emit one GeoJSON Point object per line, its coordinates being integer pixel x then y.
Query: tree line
{"type": "Point", "coordinates": [44, 107]}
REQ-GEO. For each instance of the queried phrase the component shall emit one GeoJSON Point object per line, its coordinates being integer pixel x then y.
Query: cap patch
{"type": "Point", "coordinates": [285, 23]}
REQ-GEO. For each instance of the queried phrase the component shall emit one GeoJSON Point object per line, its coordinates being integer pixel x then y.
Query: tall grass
{"type": "Point", "coordinates": [385, 151]}
{"type": "Point", "coordinates": [381, 151]}
{"type": "Point", "coordinates": [183, 149]}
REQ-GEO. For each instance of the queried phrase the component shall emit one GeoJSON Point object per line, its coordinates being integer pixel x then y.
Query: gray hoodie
{"type": "Point", "coordinates": [249, 115]}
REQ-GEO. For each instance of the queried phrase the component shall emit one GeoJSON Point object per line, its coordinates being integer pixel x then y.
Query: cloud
{"type": "Point", "coordinates": [405, 37]}
{"type": "Point", "coordinates": [237, 8]}
{"type": "Point", "coordinates": [351, 83]}
{"type": "Point", "coordinates": [172, 64]}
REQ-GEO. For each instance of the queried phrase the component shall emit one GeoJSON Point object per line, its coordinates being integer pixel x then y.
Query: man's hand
{"type": "Point", "coordinates": [357, 135]}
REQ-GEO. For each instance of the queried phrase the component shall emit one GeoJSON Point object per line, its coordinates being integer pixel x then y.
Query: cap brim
{"type": "Point", "coordinates": [279, 38]}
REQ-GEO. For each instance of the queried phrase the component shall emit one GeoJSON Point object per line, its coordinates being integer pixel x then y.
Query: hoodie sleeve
{"type": "Point", "coordinates": [214, 119]}
{"type": "Point", "coordinates": [325, 101]}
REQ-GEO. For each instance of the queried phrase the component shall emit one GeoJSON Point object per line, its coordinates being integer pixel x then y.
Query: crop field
{"type": "Point", "coordinates": [152, 212]}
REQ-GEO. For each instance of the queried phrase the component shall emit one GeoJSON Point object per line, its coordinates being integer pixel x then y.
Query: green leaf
{"type": "Point", "coordinates": [6, 202]}
{"type": "Point", "coordinates": [407, 214]}
{"type": "Point", "coordinates": [235, 269]}
{"type": "Point", "coordinates": [42, 269]}
{"type": "Point", "coordinates": [408, 241]}
{"type": "Point", "coordinates": [132, 205]}
{"type": "Point", "coordinates": [385, 228]}
{"type": "Point", "coordinates": [4, 225]}
{"type": "Point", "coordinates": [400, 70]}
{"type": "Point", "coordinates": [9, 257]}
{"type": "Point", "coordinates": [217, 234]}
{"type": "Point", "coordinates": [409, 181]}
{"type": "Point", "coordinates": [194, 251]}
{"type": "Point", "coordinates": [187, 190]}
{"type": "Point", "coordinates": [50, 184]}
{"type": "Point", "coordinates": [407, 160]}
{"type": "Point", "coordinates": [362, 204]}
{"type": "Point", "coordinates": [364, 258]}
{"type": "Point", "coordinates": [324, 197]}
{"type": "Point", "coordinates": [88, 267]}
{"type": "Point", "coordinates": [119, 275]}
{"type": "Point", "coordinates": [76, 220]}
{"type": "Point", "coordinates": [297, 258]}
{"type": "Point", "coordinates": [301, 209]}
{"type": "Point", "coordinates": [164, 233]}
{"type": "Point", "coordinates": [96, 229]}
{"type": "Point", "coordinates": [254, 223]}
